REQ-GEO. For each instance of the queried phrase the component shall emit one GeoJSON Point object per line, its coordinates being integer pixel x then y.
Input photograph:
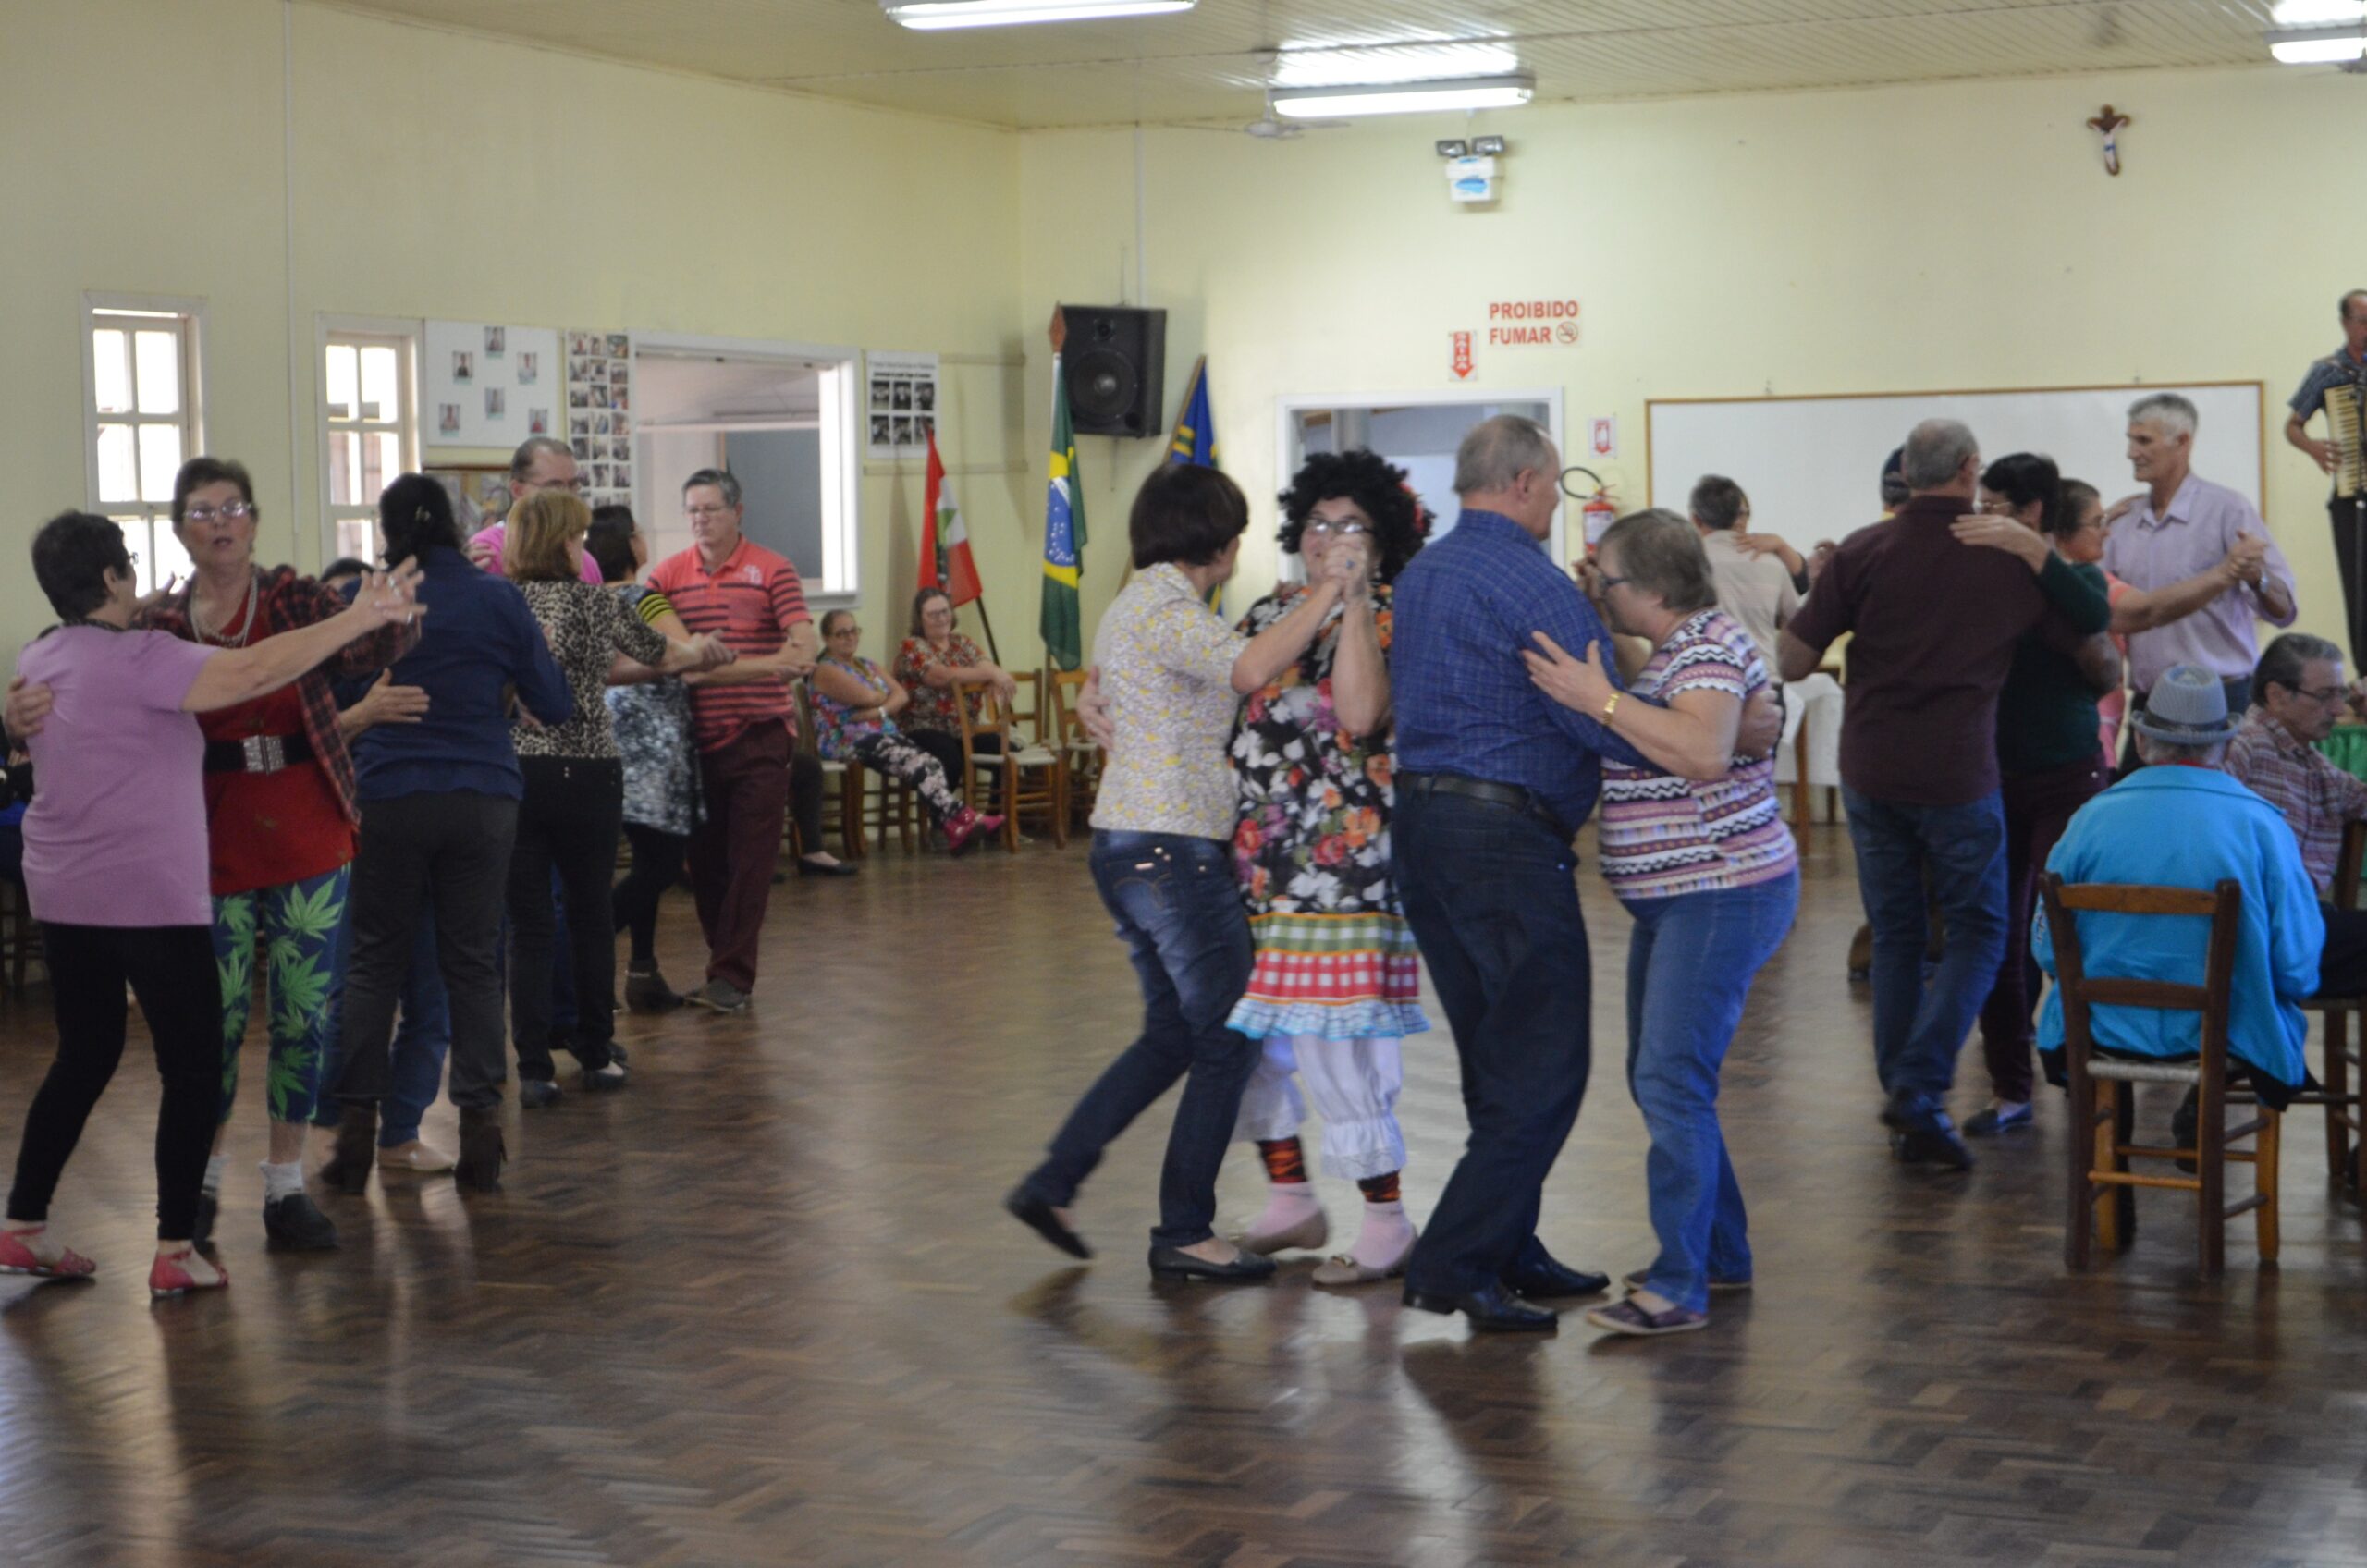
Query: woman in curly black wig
{"type": "Point", "coordinates": [1380, 490]}
{"type": "Point", "coordinates": [1335, 981]}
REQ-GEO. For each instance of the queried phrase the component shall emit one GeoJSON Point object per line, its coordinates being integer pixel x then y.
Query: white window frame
{"type": "Point", "coordinates": [1289, 407]}
{"type": "Point", "coordinates": [187, 316]}
{"type": "Point", "coordinates": [839, 371]}
{"type": "Point", "coordinates": [405, 334]}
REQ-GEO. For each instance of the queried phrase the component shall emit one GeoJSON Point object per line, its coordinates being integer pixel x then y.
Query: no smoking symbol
{"type": "Point", "coordinates": [1567, 332]}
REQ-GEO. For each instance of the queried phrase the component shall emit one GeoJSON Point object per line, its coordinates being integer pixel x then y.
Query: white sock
{"type": "Point", "coordinates": [215, 1165]}
{"type": "Point", "coordinates": [282, 1181]}
{"type": "Point", "coordinates": [1383, 1237]}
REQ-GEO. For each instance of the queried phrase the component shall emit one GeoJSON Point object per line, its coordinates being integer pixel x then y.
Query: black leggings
{"type": "Point", "coordinates": [170, 969]}
{"type": "Point", "coordinates": [656, 865]}
{"type": "Point", "coordinates": [567, 822]}
{"type": "Point", "coordinates": [945, 747]}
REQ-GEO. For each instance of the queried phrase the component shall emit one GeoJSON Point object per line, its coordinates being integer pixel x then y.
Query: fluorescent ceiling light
{"type": "Point", "coordinates": [2310, 13]}
{"type": "Point", "coordinates": [2317, 45]}
{"type": "Point", "coordinates": [1406, 98]}
{"type": "Point", "coordinates": [1355, 66]}
{"type": "Point", "coordinates": [931, 15]}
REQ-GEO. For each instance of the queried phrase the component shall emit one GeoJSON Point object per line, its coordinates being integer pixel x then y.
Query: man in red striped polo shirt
{"type": "Point", "coordinates": [745, 720]}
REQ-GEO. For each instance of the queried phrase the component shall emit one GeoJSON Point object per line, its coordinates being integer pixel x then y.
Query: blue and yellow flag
{"type": "Point", "coordinates": [1195, 428]}
{"type": "Point", "coordinates": [1062, 623]}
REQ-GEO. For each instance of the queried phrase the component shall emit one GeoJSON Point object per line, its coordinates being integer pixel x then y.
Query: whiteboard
{"type": "Point", "coordinates": [1811, 466]}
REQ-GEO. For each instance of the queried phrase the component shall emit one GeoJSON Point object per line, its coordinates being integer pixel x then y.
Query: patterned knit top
{"type": "Point", "coordinates": [1664, 836]}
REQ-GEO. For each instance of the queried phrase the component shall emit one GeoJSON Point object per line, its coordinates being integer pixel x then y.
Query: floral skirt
{"type": "Point", "coordinates": [1340, 977]}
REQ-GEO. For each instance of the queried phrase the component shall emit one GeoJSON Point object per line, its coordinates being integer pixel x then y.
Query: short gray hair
{"type": "Point", "coordinates": [2175, 414]}
{"type": "Point", "coordinates": [521, 461]}
{"type": "Point", "coordinates": [1935, 452]}
{"type": "Point", "coordinates": [2161, 754]}
{"type": "Point", "coordinates": [721, 478]}
{"type": "Point", "coordinates": [1497, 450]}
{"type": "Point", "coordinates": [1660, 553]}
{"type": "Point", "coordinates": [2283, 660]}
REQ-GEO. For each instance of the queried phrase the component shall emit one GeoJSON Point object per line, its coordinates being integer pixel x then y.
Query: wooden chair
{"type": "Point", "coordinates": [1080, 753]}
{"type": "Point", "coordinates": [2344, 1073]}
{"type": "Point", "coordinates": [1038, 779]}
{"type": "Point", "coordinates": [840, 785]}
{"type": "Point", "coordinates": [894, 804]}
{"type": "Point", "coordinates": [2103, 1199]}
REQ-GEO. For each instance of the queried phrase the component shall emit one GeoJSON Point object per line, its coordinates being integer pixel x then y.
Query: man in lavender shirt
{"type": "Point", "coordinates": [2183, 524]}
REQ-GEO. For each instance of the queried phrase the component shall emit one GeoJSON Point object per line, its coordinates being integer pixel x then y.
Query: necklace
{"type": "Point", "coordinates": [213, 635]}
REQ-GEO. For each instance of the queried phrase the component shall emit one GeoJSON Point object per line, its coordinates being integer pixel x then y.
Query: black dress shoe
{"type": "Point", "coordinates": [1548, 1279]}
{"type": "Point", "coordinates": [296, 1223]}
{"type": "Point", "coordinates": [1493, 1308]}
{"type": "Point", "coordinates": [1174, 1263]}
{"type": "Point", "coordinates": [1037, 1216]}
{"type": "Point", "coordinates": [537, 1094]}
{"type": "Point", "coordinates": [1931, 1146]}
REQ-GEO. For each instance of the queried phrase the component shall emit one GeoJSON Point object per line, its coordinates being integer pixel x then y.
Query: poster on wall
{"type": "Point", "coordinates": [900, 409]}
{"type": "Point", "coordinates": [599, 415]}
{"type": "Point", "coordinates": [488, 386]}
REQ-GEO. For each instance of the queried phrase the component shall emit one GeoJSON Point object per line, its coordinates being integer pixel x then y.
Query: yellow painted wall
{"type": "Point", "coordinates": [437, 175]}
{"type": "Point", "coordinates": [1949, 237]}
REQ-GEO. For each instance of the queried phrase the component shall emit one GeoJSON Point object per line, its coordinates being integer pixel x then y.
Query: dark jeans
{"type": "Point", "coordinates": [2236, 687]}
{"type": "Point", "coordinates": [656, 865]}
{"type": "Point", "coordinates": [170, 969]}
{"type": "Point", "coordinates": [2350, 519]}
{"type": "Point", "coordinates": [1690, 962]}
{"type": "Point", "coordinates": [945, 747]}
{"type": "Point", "coordinates": [1489, 893]}
{"type": "Point", "coordinates": [733, 851]}
{"type": "Point", "coordinates": [1179, 910]}
{"type": "Point", "coordinates": [2038, 807]}
{"type": "Point", "coordinates": [1919, 1027]}
{"type": "Point", "coordinates": [422, 1038]}
{"type": "Point", "coordinates": [447, 853]}
{"type": "Point", "coordinates": [567, 827]}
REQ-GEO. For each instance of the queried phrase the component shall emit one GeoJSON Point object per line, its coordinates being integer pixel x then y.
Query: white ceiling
{"type": "Point", "coordinates": [1213, 63]}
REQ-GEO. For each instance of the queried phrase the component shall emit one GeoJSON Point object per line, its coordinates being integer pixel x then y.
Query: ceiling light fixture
{"type": "Point", "coordinates": [2316, 13]}
{"type": "Point", "coordinates": [934, 15]}
{"type": "Point", "coordinates": [2317, 45]}
{"type": "Point", "coordinates": [1407, 97]}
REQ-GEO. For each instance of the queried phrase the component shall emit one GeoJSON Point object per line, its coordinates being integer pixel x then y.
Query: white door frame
{"type": "Point", "coordinates": [1287, 406]}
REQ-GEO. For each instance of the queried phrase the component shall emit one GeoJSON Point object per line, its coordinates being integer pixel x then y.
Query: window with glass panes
{"type": "Point", "coordinates": [142, 422]}
{"type": "Point", "coordinates": [367, 413]}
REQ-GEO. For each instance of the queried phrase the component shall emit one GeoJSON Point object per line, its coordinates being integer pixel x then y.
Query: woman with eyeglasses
{"type": "Point", "coordinates": [120, 866]}
{"type": "Point", "coordinates": [1336, 977]}
{"type": "Point", "coordinates": [2050, 718]}
{"type": "Point", "coordinates": [855, 704]}
{"type": "Point", "coordinates": [281, 820]}
{"type": "Point", "coordinates": [939, 667]}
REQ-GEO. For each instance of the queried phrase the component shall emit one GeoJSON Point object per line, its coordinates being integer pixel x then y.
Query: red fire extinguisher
{"type": "Point", "coordinates": [1599, 511]}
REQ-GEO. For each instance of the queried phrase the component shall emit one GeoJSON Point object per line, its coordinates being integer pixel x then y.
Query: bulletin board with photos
{"type": "Point", "coordinates": [901, 408]}
{"type": "Point", "coordinates": [599, 415]}
{"type": "Point", "coordinates": [489, 384]}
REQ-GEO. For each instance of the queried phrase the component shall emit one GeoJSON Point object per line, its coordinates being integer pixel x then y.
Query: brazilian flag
{"type": "Point", "coordinates": [1062, 623]}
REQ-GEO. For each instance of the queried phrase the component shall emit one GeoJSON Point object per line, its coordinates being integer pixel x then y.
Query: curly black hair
{"type": "Point", "coordinates": [1374, 484]}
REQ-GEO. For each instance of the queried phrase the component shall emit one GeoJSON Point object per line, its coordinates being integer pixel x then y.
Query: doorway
{"type": "Point", "coordinates": [1418, 431]}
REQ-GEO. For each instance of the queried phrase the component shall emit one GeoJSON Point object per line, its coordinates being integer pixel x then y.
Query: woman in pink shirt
{"type": "Point", "coordinates": [116, 871]}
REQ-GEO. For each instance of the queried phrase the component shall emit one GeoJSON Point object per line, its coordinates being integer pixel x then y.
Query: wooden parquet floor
{"type": "Point", "coordinates": [762, 1308]}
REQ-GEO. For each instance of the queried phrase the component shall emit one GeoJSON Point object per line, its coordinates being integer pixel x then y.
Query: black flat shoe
{"type": "Point", "coordinates": [1931, 1146]}
{"type": "Point", "coordinates": [537, 1094]}
{"type": "Point", "coordinates": [1174, 1263]}
{"type": "Point", "coordinates": [1037, 1216]}
{"type": "Point", "coordinates": [1493, 1308]}
{"type": "Point", "coordinates": [1549, 1280]}
{"type": "Point", "coordinates": [297, 1224]}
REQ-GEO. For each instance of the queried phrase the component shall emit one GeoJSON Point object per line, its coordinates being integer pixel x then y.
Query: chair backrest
{"type": "Point", "coordinates": [2345, 870]}
{"type": "Point", "coordinates": [992, 717]}
{"type": "Point", "coordinates": [1027, 707]}
{"type": "Point", "coordinates": [1068, 686]}
{"type": "Point", "coordinates": [2222, 907]}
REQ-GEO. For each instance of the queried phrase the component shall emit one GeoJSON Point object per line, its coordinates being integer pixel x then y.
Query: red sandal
{"type": "Point", "coordinates": [16, 1257]}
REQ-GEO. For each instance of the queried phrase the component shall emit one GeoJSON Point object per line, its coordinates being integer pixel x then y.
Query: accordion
{"type": "Point", "coordinates": [2344, 434]}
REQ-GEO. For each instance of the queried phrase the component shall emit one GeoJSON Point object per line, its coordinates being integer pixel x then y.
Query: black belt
{"type": "Point", "coordinates": [1514, 795]}
{"type": "Point", "coordinates": [257, 753]}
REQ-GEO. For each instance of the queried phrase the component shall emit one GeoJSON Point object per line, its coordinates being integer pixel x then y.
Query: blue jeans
{"type": "Point", "coordinates": [1488, 891]}
{"type": "Point", "coordinates": [1690, 962]}
{"type": "Point", "coordinates": [1179, 910]}
{"type": "Point", "coordinates": [423, 1036]}
{"type": "Point", "coordinates": [1919, 1027]}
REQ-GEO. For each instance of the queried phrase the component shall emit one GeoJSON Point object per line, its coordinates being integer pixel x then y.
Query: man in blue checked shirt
{"type": "Point", "coordinates": [1493, 779]}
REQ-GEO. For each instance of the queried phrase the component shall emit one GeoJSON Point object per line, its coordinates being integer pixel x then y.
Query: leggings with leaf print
{"type": "Point", "coordinates": [294, 925]}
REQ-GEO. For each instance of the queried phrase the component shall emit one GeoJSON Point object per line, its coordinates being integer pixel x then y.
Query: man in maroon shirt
{"type": "Point", "coordinates": [1934, 633]}
{"type": "Point", "coordinates": [746, 722]}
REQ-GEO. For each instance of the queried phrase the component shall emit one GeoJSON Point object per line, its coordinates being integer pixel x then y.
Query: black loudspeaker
{"type": "Point", "coordinates": [1116, 358]}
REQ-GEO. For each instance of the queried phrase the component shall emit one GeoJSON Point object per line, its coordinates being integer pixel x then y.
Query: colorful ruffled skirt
{"type": "Point", "coordinates": [1338, 976]}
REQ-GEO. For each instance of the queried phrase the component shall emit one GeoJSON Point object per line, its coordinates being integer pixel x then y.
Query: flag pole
{"type": "Point", "coordinates": [987, 623]}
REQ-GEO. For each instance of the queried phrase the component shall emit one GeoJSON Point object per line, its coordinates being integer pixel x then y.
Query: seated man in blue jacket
{"type": "Point", "coordinates": [2180, 822]}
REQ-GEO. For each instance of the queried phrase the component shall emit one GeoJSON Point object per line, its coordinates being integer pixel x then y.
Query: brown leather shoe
{"type": "Point", "coordinates": [481, 1150]}
{"type": "Point", "coordinates": [356, 1145]}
